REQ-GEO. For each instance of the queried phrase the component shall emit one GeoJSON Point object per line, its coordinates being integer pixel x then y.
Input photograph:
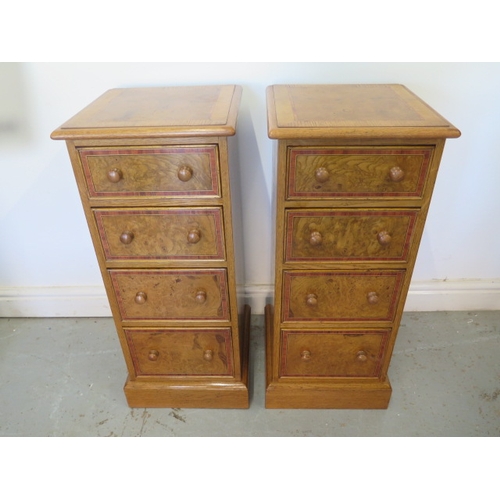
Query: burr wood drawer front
{"type": "Point", "coordinates": [153, 172]}
{"type": "Point", "coordinates": [332, 353]}
{"type": "Point", "coordinates": [349, 235]}
{"type": "Point", "coordinates": [341, 295]}
{"type": "Point", "coordinates": [161, 234]}
{"type": "Point", "coordinates": [181, 352]}
{"type": "Point", "coordinates": [358, 172]}
{"type": "Point", "coordinates": [180, 294]}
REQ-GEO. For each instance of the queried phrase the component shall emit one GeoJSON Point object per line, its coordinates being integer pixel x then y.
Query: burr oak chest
{"type": "Point", "coordinates": [355, 171]}
{"type": "Point", "coordinates": [156, 168]}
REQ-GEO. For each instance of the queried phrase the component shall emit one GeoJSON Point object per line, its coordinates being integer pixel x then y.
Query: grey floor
{"type": "Point", "coordinates": [64, 377]}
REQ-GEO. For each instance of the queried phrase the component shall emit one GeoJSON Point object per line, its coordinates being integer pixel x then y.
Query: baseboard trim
{"type": "Point", "coordinates": [91, 301]}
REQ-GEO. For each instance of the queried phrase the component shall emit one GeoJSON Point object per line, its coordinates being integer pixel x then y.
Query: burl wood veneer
{"type": "Point", "coordinates": [356, 166]}
{"type": "Point", "coordinates": [155, 168]}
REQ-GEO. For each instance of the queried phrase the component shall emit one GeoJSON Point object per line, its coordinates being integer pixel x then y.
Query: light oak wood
{"type": "Point", "coordinates": [355, 171]}
{"type": "Point", "coordinates": [153, 171]}
{"type": "Point", "coordinates": [152, 168]}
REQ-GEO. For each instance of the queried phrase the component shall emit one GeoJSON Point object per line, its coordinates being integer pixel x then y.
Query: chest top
{"type": "Point", "coordinates": [156, 112]}
{"type": "Point", "coordinates": [357, 111]}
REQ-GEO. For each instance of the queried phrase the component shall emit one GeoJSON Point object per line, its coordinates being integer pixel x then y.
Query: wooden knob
{"type": "Point", "coordinates": [361, 356]}
{"type": "Point", "coordinates": [372, 297]}
{"type": "Point", "coordinates": [140, 298]}
{"type": "Point", "coordinates": [312, 300]}
{"type": "Point", "coordinates": [315, 238]}
{"type": "Point", "coordinates": [115, 175]}
{"type": "Point", "coordinates": [321, 174]}
{"type": "Point", "coordinates": [126, 237]}
{"type": "Point", "coordinates": [201, 296]}
{"type": "Point", "coordinates": [184, 173]}
{"type": "Point", "coordinates": [208, 355]}
{"type": "Point", "coordinates": [384, 238]}
{"type": "Point", "coordinates": [305, 355]}
{"type": "Point", "coordinates": [396, 174]}
{"type": "Point", "coordinates": [194, 236]}
{"type": "Point", "coordinates": [153, 355]}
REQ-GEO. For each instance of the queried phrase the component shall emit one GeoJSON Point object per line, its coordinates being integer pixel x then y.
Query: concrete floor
{"type": "Point", "coordinates": [64, 377]}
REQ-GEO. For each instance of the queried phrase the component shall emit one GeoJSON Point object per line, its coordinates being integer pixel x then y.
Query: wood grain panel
{"type": "Point", "coordinates": [176, 295]}
{"type": "Point", "coordinates": [138, 172]}
{"type": "Point", "coordinates": [332, 353]}
{"type": "Point", "coordinates": [341, 296]}
{"type": "Point", "coordinates": [187, 352]}
{"type": "Point", "coordinates": [354, 235]}
{"type": "Point", "coordinates": [161, 234]}
{"type": "Point", "coordinates": [357, 172]}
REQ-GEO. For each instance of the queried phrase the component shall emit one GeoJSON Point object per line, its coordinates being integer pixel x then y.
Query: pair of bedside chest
{"type": "Point", "coordinates": [156, 169]}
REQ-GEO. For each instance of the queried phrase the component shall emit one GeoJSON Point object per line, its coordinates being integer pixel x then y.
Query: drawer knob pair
{"type": "Point", "coordinates": [142, 297]}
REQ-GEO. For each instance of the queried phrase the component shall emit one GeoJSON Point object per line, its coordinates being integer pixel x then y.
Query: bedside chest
{"type": "Point", "coordinates": [356, 166]}
{"type": "Point", "coordinates": [155, 168]}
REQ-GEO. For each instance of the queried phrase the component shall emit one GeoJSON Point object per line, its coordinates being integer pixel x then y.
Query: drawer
{"type": "Point", "coordinates": [171, 294]}
{"type": "Point", "coordinates": [181, 352]}
{"type": "Point", "coordinates": [160, 171]}
{"type": "Point", "coordinates": [333, 353]}
{"type": "Point", "coordinates": [358, 172]}
{"type": "Point", "coordinates": [353, 235]}
{"type": "Point", "coordinates": [341, 296]}
{"type": "Point", "coordinates": [161, 234]}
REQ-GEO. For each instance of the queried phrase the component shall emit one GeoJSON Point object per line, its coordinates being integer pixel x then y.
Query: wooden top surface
{"type": "Point", "coordinates": [359, 111]}
{"type": "Point", "coordinates": [157, 112]}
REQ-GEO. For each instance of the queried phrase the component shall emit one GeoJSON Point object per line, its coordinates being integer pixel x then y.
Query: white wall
{"type": "Point", "coordinates": [47, 263]}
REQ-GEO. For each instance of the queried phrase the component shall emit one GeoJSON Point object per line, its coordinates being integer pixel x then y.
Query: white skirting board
{"type": "Point", "coordinates": [91, 301]}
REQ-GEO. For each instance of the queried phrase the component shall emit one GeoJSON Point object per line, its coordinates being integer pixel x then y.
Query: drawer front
{"type": "Point", "coordinates": [355, 235]}
{"type": "Point", "coordinates": [162, 171]}
{"type": "Point", "coordinates": [353, 172]}
{"type": "Point", "coordinates": [181, 352]}
{"type": "Point", "coordinates": [161, 234]}
{"type": "Point", "coordinates": [341, 296]}
{"type": "Point", "coordinates": [171, 295]}
{"type": "Point", "coordinates": [332, 353]}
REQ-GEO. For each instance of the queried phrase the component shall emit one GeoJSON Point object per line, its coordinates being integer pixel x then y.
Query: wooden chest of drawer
{"type": "Point", "coordinates": [175, 295]}
{"type": "Point", "coordinates": [333, 353]}
{"type": "Point", "coordinates": [187, 353]}
{"type": "Point", "coordinates": [178, 234]}
{"type": "Point", "coordinates": [336, 296]}
{"type": "Point", "coordinates": [356, 166]}
{"type": "Point", "coordinates": [358, 172]}
{"type": "Point", "coordinates": [355, 235]}
{"type": "Point", "coordinates": [153, 170]}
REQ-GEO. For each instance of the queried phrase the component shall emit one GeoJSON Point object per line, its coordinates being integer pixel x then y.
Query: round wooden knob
{"type": "Point", "coordinates": [184, 173]}
{"type": "Point", "coordinates": [396, 174]}
{"type": "Point", "coordinates": [140, 298]}
{"type": "Point", "coordinates": [361, 356]}
{"type": "Point", "coordinates": [312, 300]}
{"type": "Point", "coordinates": [194, 236]}
{"type": "Point", "coordinates": [321, 174]}
{"type": "Point", "coordinates": [208, 355]}
{"type": "Point", "coordinates": [305, 355]}
{"type": "Point", "coordinates": [201, 296]}
{"type": "Point", "coordinates": [126, 237]}
{"type": "Point", "coordinates": [115, 175]}
{"type": "Point", "coordinates": [384, 238]}
{"type": "Point", "coordinates": [153, 355]}
{"type": "Point", "coordinates": [315, 238]}
{"type": "Point", "coordinates": [372, 297]}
